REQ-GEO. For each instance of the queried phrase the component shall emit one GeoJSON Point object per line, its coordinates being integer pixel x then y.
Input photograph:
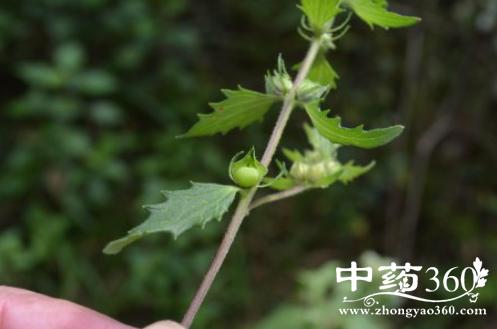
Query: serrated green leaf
{"type": "Point", "coordinates": [320, 12]}
{"type": "Point", "coordinates": [323, 73]}
{"type": "Point", "coordinates": [182, 210]}
{"type": "Point", "coordinates": [331, 128]}
{"type": "Point", "coordinates": [374, 12]}
{"type": "Point", "coordinates": [241, 108]}
{"type": "Point", "coordinates": [351, 171]}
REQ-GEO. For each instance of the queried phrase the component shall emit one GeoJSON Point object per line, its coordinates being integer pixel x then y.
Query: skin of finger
{"type": "Point", "coordinates": [165, 325]}
{"type": "Point", "coordinates": [21, 309]}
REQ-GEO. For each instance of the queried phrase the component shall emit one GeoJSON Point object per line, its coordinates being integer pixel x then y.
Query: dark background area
{"type": "Point", "coordinates": [93, 92]}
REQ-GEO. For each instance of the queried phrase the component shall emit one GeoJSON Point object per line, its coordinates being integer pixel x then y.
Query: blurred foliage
{"type": "Point", "coordinates": [320, 295]}
{"type": "Point", "coordinates": [94, 91]}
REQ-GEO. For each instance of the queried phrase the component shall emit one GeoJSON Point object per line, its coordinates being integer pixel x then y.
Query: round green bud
{"type": "Point", "coordinates": [310, 91]}
{"type": "Point", "coordinates": [327, 41]}
{"type": "Point", "coordinates": [299, 171]}
{"type": "Point", "coordinates": [246, 176]}
{"type": "Point", "coordinates": [332, 167]}
{"type": "Point", "coordinates": [278, 84]}
{"type": "Point", "coordinates": [317, 172]}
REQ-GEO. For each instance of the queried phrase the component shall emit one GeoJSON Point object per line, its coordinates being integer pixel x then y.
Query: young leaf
{"type": "Point", "coordinates": [374, 12]}
{"type": "Point", "coordinates": [320, 144]}
{"type": "Point", "coordinates": [320, 12]}
{"type": "Point", "coordinates": [281, 181]}
{"type": "Point", "coordinates": [382, 3]}
{"type": "Point", "coordinates": [322, 72]}
{"type": "Point", "coordinates": [351, 171]}
{"type": "Point", "coordinates": [319, 167]}
{"type": "Point", "coordinates": [240, 108]}
{"type": "Point", "coordinates": [331, 128]}
{"type": "Point", "coordinates": [292, 155]}
{"type": "Point", "coordinates": [280, 184]}
{"type": "Point", "coordinates": [182, 210]}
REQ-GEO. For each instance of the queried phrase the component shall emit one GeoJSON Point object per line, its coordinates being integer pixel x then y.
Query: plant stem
{"type": "Point", "coordinates": [243, 206]}
{"type": "Point", "coordinates": [277, 196]}
{"type": "Point", "coordinates": [289, 103]}
{"type": "Point", "coordinates": [240, 213]}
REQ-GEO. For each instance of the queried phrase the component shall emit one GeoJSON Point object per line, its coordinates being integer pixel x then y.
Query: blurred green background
{"type": "Point", "coordinates": [92, 93]}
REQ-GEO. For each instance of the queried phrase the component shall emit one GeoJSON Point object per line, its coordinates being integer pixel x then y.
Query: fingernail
{"type": "Point", "coordinates": [164, 325]}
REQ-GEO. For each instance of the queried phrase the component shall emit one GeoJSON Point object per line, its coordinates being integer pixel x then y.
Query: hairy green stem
{"type": "Point", "coordinates": [277, 196]}
{"type": "Point", "coordinates": [243, 207]}
{"type": "Point", "coordinates": [289, 103]}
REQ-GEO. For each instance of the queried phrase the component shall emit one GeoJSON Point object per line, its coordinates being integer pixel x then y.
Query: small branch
{"type": "Point", "coordinates": [243, 206]}
{"type": "Point", "coordinates": [289, 103]}
{"type": "Point", "coordinates": [424, 150]}
{"type": "Point", "coordinates": [413, 65]}
{"type": "Point", "coordinates": [240, 213]}
{"type": "Point", "coordinates": [277, 196]}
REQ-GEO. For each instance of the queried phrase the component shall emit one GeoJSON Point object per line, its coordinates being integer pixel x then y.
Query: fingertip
{"type": "Point", "coordinates": [165, 325]}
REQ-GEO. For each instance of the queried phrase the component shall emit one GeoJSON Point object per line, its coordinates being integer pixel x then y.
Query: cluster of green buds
{"type": "Point", "coordinates": [314, 169]}
{"type": "Point", "coordinates": [279, 83]}
{"type": "Point", "coordinates": [318, 166]}
{"type": "Point", "coordinates": [309, 91]}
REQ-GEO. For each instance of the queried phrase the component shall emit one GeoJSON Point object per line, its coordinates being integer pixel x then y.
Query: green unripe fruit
{"type": "Point", "coordinates": [246, 176]}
